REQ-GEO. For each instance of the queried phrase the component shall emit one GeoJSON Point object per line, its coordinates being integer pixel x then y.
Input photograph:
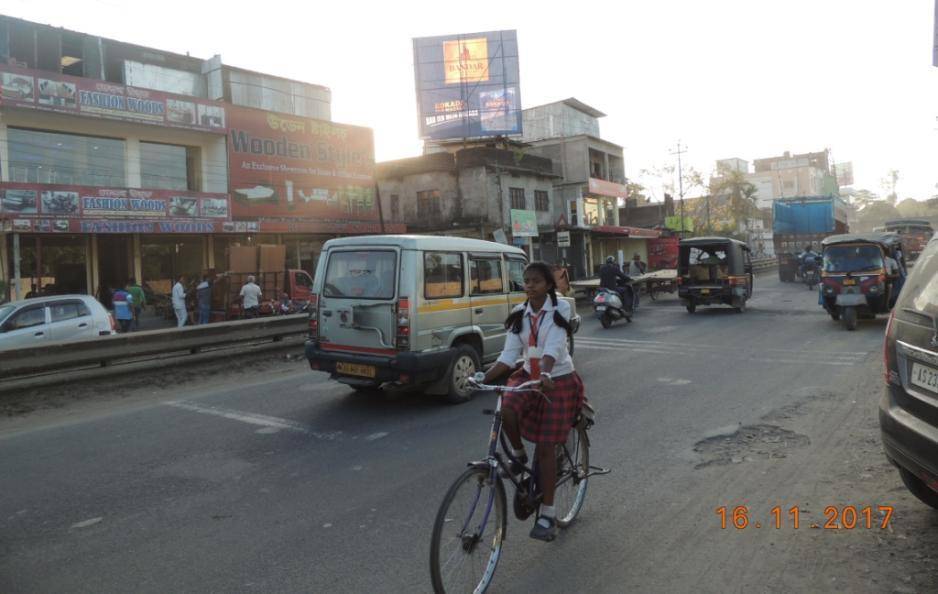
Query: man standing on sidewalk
{"type": "Point", "coordinates": [250, 298]}
{"type": "Point", "coordinates": [123, 303]}
{"type": "Point", "coordinates": [179, 301]}
{"type": "Point", "coordinates": [139, 300]}
{"type": "Point", "coordinates": [203, 295]}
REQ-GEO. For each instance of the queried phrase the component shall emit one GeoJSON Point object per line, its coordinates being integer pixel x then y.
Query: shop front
{"type": "Point", "coordinates": [622, 243]}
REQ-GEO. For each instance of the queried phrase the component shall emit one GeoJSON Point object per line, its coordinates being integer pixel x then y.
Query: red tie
{"type": "Point", "coordinates": [534, 356]}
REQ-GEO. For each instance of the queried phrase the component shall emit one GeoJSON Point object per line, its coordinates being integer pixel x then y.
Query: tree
{"type": "Point", "coordinates": [666, 175]}
{"type": "Point", "coordinates": [740, 192]}
{"type": "Point", "coordinates": [875, 214]}
{"type": "Point", "coordinates": [636, 191]}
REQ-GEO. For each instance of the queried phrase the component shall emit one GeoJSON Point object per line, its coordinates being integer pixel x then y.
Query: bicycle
{"type": "Point", "coordinates": [480, 529]}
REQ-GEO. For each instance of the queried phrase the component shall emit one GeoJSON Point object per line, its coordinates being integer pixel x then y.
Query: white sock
{"type": "Point", "coordinates": [547, 511]}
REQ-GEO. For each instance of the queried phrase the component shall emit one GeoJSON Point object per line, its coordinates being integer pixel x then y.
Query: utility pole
{"type": "Point", "coordinates": [680, 181]}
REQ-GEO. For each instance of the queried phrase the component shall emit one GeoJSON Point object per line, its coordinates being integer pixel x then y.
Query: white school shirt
{"type": "Point", "coordinates": [179, 296]}
{"type": "Point", "coordinates": [551, 339]}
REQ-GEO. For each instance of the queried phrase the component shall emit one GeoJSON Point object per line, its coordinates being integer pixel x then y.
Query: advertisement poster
{"type": "Point", "coordinates": [468, 85]}
{"type": "Point", "coordinates": [34, 89]}
{"type": "Point", "coordinates": [663, 253]}
{"type": "Point", "coordinates": [523, 223]}
{"type": "Point", "coordinates": [287, 166]}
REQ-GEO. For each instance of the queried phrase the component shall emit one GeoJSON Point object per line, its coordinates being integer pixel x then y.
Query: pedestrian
{"type": "Point", "coordinates": [250, 298]}
{"type": "Point", "coordinates": [140, 300]}
{"type": "Point", "coordinates": [123, 309]}
{"type": "Point", "coordinates": [636, 268]}
{"type": "Point", "coordinates": [203, 294]}
{"type": "Point", "coordinates": [179, 301]}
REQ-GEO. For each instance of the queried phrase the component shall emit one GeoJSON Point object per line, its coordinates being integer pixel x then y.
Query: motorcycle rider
{"type": "Point", "coordinates": [808, 259]}
{"type": "Point", "coordinates": [609, 276]}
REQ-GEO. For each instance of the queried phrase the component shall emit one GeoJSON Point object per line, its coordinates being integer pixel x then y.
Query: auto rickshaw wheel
{"type": "Point", "coordinates": [835, 315]}
{"type": "Point", "coordinates": [850, 318]}
{"type": "Point", "coordinates": [691, 307]}
{"type": "Point", "coordinates": [606, 320]}
{"type": "Point", "coordinates": [740, 305]}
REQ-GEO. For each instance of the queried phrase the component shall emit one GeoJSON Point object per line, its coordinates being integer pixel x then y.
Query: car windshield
{"type": "Point", "coordinates": [5, 311]}
{"type": "Point", "coordinates": [364, 274]}
{"type": "Point", "coordinates": [853, 258]}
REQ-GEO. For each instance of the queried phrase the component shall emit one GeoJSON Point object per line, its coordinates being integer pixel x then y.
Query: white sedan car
{"type": "Point", "coordinates": [32, 322]}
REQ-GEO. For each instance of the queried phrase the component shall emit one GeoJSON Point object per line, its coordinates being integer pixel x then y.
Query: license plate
{"type": "Point", "coordinates": [849, 281]}
{"type": "Point", "coordinates": [355, 369]}
{"type": "Point", "coordinates": [600, 308]}
{"type": "Point", "coordinates": [925, 377]}
{"type": "Point", "coordinates": [705, 291]}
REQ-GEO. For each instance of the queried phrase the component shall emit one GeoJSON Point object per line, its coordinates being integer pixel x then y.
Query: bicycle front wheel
{"type": "Point", "coordinates": [573, 465]}
{"type": "Point", "coordinates": [468, 533]}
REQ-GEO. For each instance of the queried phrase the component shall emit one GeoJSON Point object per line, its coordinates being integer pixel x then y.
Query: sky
{"type": "Point", "coordinates": [726, 78]}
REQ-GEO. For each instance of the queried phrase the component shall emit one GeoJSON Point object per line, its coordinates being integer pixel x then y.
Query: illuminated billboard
{"type": "Point", "coordinates": [467, 85]}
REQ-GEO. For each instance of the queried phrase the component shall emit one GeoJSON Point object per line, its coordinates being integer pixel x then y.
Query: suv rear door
{"type": "Point", "coordinates": [488, 300]}
{"type": "Point", "coordinates": [26, 327]}
{"type": "Point", "coordinates": [358, 299]}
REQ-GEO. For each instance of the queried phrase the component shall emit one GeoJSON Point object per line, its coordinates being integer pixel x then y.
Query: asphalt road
{"type": "Point", "coordinates": [270, 478]}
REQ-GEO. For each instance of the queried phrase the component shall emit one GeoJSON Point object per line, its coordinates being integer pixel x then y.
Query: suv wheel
{"type": "Point", "coordinates": [919, 488]}
{"type": "Point", "coordinates": [465, 364]}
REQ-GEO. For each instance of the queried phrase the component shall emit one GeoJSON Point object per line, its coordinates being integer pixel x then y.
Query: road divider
{"type": "Point", "coordinates": [139, 346]}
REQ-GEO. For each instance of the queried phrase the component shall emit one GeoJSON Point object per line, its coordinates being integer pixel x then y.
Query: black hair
{"type": "Point", "coordinates": [515, 319]}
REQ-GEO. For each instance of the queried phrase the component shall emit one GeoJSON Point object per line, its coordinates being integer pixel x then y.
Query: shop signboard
{"type": "Point", "coordinates": [60, 208]}
{"type": "Point", "coordinates": [563, 239]}
{"type": "Point", "coordinates": [46, 91]}
{"type": "Point", "coordinates": [468, 85]}
{"type": "Point", "coordinates": [292, 167]}
{"type": "Point", "coordinates": [523, 223]}
{"type": "Point", "coordinates": [674, 223]}
{"type": "Point", "coordinates": [607, 188]}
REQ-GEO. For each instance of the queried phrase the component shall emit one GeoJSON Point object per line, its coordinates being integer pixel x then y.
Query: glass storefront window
{"type": "Point", "coordinates": [592, 214]}
{"type": "Point", "coordinates": [55, 158]}
{"type": "Point", "coordinates": [165, 258]}
{"type": "Point", "coordinates": [168, 166]}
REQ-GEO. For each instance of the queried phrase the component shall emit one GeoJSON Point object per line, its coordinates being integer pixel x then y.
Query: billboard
{"type": "Point", "coordinates": [293, 167]}
{"type": "Point", "coordinates": [47, 91]}
{"type": "Point", "coordinates": [844, 173]}
{"type": "Point", "coordinates": [468, 85]}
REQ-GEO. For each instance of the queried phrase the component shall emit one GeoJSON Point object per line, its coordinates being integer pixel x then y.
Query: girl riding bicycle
{"type": "Point", "coordinates": [539, 329]}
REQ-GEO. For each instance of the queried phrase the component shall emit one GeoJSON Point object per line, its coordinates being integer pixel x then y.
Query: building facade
{"type": "Point", "coordinates": [480, 192]}
{"type": "Point", "coordinates": [591, 183]}
{"type": "Point", "coordinates": [784, 176]}
{"type": "Point", "coordinates": [120, 161]}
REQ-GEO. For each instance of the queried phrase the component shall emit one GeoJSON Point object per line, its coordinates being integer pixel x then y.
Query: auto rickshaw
{"type": "Point", "coordinates": [713, 270]}
{"type": "Point", "coordinates": [858, 279]}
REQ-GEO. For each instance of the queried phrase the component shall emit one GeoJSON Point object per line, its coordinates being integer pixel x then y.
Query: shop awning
{"type": "Point", "coordinates": [633, 232]}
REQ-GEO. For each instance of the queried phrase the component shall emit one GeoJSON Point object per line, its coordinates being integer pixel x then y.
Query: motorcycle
{"type": "Point", "coordinates": [608, 306]}
{"type": "Point", "coordinates": [811, 274]}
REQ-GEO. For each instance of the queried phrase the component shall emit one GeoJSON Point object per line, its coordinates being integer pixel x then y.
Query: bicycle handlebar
{"type": "Point", "coordinates": [528, 386]}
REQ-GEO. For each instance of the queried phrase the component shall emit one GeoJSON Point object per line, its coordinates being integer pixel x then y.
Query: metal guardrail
{"type": "Point", "coordinates": [764, 263]}
{"type": "Point", "coordinates": [106, 350]}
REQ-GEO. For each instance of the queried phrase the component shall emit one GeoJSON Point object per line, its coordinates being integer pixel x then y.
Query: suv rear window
{"type": "Point", "coordinates": [364, 274]}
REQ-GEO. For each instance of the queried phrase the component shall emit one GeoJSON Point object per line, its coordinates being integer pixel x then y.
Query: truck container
{"type": "Point", "coordinates": [800, 221]}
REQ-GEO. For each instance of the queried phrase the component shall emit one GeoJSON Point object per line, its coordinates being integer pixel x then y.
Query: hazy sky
{"type": "Point", "coordinates": [747, 78]}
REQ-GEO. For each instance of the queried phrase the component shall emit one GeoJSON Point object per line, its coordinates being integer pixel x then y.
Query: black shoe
{"type": "Point", "coordinates": [541, 533]}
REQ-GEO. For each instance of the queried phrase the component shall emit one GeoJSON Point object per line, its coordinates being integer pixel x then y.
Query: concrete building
{"type": "Point", "coordinates": [120, 161]}
{"type": "Point", "coordinates": [474, 192]}
{"type": "Point", "coordinates": [591, 182]}
{"type": "Point", "coordinates": [784, 176]}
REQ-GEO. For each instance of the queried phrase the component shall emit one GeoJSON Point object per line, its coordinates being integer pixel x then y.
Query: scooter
{"type": "Point", "coordinates": [608, 306]}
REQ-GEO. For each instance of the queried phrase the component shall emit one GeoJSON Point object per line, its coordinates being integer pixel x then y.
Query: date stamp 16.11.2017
{"type": "Point", "coordinates": [843, 517]}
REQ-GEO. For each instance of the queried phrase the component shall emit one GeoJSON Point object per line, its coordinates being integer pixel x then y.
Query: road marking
{"type": "Point", "coordinates": [252, 419]}
{"type": "Point", "coordinates": [87, 523]}
{"type": "Point", "coordinates": [843, 359]}
{"type": "Point", "coordinates": [375, 436]}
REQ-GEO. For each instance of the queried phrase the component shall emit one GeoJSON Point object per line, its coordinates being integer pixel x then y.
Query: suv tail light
{"type": "Point", "coordinates": [890, 369]}
{"type": "Point", "coordinates": [313, 316]}
{"type": "Point", "coordinates": [403, 324]}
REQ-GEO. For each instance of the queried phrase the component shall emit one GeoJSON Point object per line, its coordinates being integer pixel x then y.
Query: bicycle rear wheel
{"type": "Point", "coordinates": [468, 533]}
{"type": "Point", "coordinates": [573, 464]}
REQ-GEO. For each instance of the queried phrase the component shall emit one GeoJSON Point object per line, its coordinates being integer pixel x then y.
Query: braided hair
{"type": "Point", "coordinates": [515, 319]}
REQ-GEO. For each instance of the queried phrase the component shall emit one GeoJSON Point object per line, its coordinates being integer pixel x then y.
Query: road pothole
{"type": "Point", "coordinates": [747, 444]}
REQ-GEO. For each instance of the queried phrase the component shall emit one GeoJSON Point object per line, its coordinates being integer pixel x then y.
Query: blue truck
{"type": "Point", "coordinates": [803, 220]}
